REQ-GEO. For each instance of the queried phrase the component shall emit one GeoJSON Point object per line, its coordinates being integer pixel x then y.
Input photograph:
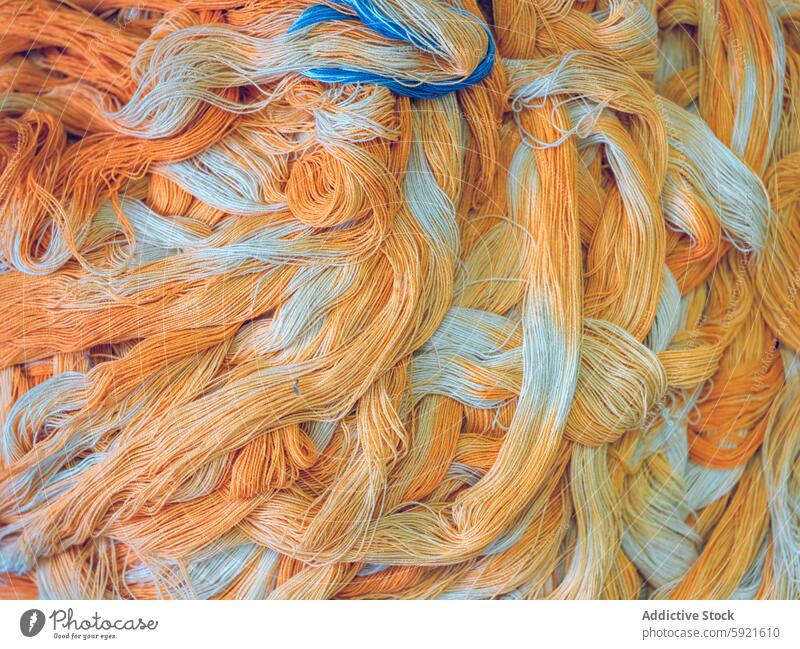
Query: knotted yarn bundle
{"type": "Point", "coordinates": [400, 299]}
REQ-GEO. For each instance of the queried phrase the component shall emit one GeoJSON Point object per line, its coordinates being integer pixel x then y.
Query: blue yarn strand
{"type": "Point", "coordinates": [367, 14]}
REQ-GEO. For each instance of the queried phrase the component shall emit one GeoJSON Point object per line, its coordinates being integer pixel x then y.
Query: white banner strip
{"type": "Point", "coordinates": [404, 625]}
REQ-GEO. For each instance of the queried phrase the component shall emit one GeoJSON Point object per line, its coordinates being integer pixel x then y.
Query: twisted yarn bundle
{"type": "Point", "coordinates": [400, 299]}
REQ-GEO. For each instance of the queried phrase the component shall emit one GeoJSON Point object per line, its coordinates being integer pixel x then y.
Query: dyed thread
{"type": "Point", "coordinates": [399, 299]}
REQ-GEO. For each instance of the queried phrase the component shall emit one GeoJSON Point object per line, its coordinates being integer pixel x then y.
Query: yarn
{"type": "Point", "coordinates": [399, 299]}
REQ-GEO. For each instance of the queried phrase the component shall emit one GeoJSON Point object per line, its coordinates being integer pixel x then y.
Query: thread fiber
{"type": "Point", "coordinates": [400, 299]}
